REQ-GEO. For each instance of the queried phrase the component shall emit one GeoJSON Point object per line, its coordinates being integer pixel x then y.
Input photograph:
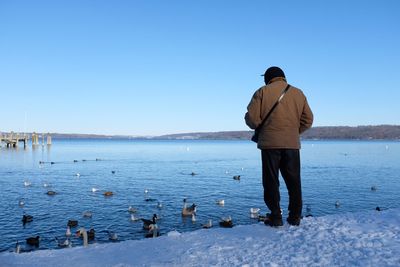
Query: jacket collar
{"type": "Point", "coordinates": [276, 79]}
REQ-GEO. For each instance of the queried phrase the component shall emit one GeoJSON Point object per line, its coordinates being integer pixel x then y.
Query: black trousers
{"type": "Point", "coordinates": [287, 161]}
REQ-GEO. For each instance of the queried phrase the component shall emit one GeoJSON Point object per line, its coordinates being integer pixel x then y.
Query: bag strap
{"type": "Point", "coordinates": [273, 107]}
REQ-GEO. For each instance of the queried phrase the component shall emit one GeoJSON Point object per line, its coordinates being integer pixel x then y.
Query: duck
{"type": "Point", "coordinates": [337, 204]}
{"type": "Point", "coordinates": [87, 214]}
{"type": "Point", "coordinates": [254, 213]}
{"type": "Point", "coordinates": [27, 183]}
{"type": "Point", "coordinates": [108, 193]}
{"type": "Point", "coordinates": [66, 243]}
{"type": "Point", "coordinates": [153, 231]}
{"type": "Point", "coordinates": [208, 225]}
{"type": "Point", "coordinates": [236, 177]}
{"type": "Point", "coordinates": [188, 211]}
{"type": "Point", "coordinates": [254, 210]}
{"type": "Point", "coordinates": [113, 172]}
{"type": "Point", "coordinates": [147, 223]}
{"type": "Point", "coordinates": [26, 218]}
{"type": "Point", "coordinates": [374, 188]}
{"type": "Point", "coordinates": [221, 202]}
{"type": "Point", "coordinates": [33, 241]}
{"type": "Point", "coordinates": [68, 232]}
{"type": "Point", "coordinates": [226, 222]}
{"type": "Point", "coordinates": [78, 174]}
{"type": "Point", "coordinates": [75, 160]}
{"type": "Point", "coordinates": [51, 193]}
{"type": "Point", "coordinates": [132, 209]}
{"type": "Point", "coordinates": [193, 174]}
{"type": "Point", "coordinates": [72, 223]}
{"type": "Point", "coordinates": [91, 234]}
{"type": "Point", "coordinates": [112, 236]}
{"type": "Point", "coordinates": [134, 218]}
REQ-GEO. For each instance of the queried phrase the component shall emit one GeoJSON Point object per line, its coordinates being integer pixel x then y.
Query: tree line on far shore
{"type": "Point", "coordinates": [378, 132]}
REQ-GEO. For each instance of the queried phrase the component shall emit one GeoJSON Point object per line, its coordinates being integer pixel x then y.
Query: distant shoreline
{"type": "Point", "coordinates": [379, 132]}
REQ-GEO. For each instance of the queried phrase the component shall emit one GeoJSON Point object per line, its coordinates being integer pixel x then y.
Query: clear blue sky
{"type": "Point", "coordinates": [157, 67]}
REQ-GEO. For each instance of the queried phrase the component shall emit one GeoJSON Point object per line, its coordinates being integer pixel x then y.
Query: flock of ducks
{"type": "Point", "coordinates": [149, 225]}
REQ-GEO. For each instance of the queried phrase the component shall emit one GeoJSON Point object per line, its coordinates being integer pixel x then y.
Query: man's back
{"type": "Point", "coordinates": [291, 117]}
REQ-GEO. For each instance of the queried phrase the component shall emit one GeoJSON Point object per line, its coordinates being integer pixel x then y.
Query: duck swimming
{"type": "Point", "coordinates": [72, 223]}
{"type": "Point", "coordinates": [132, 209]}
{"type": "Point", "coordinates": [26, 218]}
{"type": "Point", "coordinates": [134, 219]}
{"type": "Point", "coordinates": [108, 193]}
{"type": "Point", "coordinates": [188, 211]}
{"type": "Point", "coordinates": [254, 210]}
{"type": "Point", "coordinates": [68, 232]}
{"type": "Point", "coordinates": [221, 202]}
{"type": "Point", "coordinates": [66, 243]}
{"type": "Point", "coordinates": [112, 236]}
{"type": "Point", "coordinates": [147, 223]}
{"type": "Point", "coordinates": [226, 222]}
{"type": "Point", "coordinates": [33, 241]}
{"type": "Point", "coordinates": [208, 224]}
{"type": "Point", "coordinates": [87, 214]}
{"type": "Point", "coordinates": [51, 193]}
{"type": "Point", "coordinates": [236, 177]}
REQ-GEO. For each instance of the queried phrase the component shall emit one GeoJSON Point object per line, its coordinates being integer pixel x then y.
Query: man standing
{"type": "Point", "coordinates": [279, 141]}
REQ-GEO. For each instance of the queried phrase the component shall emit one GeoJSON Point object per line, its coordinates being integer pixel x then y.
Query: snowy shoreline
{"type": "Point", "coordinates": [353, 239]}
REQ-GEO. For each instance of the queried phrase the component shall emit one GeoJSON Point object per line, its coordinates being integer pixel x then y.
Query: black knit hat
{"type": "Point", "coordinates": [271, 73]}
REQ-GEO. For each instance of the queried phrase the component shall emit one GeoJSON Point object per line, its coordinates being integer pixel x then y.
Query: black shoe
{"type": "Point", "coordinates": [295, 221]}
{"type": "Point", "coordinates": [273, 221]}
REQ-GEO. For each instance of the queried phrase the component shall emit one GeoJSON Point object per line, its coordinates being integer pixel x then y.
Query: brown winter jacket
{"type": "Point", "coordinates": [290, 118]}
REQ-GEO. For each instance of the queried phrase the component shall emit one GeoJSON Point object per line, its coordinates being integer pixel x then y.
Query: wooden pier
{"type": "Point", "coordinates": [12, 139]}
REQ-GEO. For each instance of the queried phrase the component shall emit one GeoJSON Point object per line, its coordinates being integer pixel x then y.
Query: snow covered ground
{"type": "Point", "coordinates": [357, 239]}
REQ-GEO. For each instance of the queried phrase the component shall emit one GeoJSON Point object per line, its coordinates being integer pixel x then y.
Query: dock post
{"type": "Point", "coordinates": [48, 139]}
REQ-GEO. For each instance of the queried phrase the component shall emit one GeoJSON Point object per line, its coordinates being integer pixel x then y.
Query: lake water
{"type": "Point", "coordinates": [342, 171]}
